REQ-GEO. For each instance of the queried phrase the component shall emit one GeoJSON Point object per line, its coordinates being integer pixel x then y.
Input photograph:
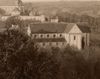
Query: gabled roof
{"type": "Point", "coordinates": [50, 40]}
{"type": "Point", "coordinates": [8, 3]}
{"type": "Point", "coordinates": [84, 27]}
{"type": "Point", "coordinates": [69, 26]}
{"type": "Point", "coordinates": [56, 27]}
{"type": "Point", "coordinates": [48, 27]}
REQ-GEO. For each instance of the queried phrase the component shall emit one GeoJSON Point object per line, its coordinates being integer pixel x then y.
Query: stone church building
{"type": "Point", "coordinates": [59, 34]}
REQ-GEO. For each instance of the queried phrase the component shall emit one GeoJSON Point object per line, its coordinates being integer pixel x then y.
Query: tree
{"type": "Point", "coordinates": [20, 58]}
{"type": "Point", "coordinates": [11, 42]}
{"type": "Point", "coordinates": [2, 12]}
{"type": "Point", "coordinates": [16, 21]}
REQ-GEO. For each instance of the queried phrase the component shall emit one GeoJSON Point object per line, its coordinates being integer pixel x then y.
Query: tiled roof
{"type": "Point", "coordinates": [69, 26]}
{"type": "Point", "coordinates": [56, 27]}
{"type": "Point", "coordinates": [48, 27]}
{"type": "Point", "coordinates": [84, 27]}
{"type": "Point", "coordinates": [8, 3]}
{"type": "Point", "coordinates": [50, 40]}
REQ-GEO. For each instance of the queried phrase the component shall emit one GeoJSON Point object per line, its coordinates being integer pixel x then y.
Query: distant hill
{"type": "Point", "coordinates": [80, 8]}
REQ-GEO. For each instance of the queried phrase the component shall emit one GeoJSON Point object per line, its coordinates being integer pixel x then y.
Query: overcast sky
{"type": "Point", "coordinates": [56, 0]}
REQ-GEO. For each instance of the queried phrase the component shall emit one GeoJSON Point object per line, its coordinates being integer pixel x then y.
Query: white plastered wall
{"type": "Point", "coordinates": [75, 37]}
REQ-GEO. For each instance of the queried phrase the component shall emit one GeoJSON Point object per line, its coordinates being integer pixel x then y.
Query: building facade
{"type": "Point", "coordinates": [59, 35]}
{"type": "Point", "coordinates": [40, 18]}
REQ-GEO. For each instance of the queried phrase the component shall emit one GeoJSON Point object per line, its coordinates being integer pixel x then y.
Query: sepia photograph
{"type": "Point", "coordinates": [49, 39]}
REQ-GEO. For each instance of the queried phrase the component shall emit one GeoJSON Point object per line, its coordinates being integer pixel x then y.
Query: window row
{"type": "Point", "coordinates": [47, 35]}
{"type": "Point", "coordinates": [53, 44]}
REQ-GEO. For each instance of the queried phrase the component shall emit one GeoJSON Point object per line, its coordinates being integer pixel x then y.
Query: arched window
{"type": "Point", "coordinates": [60, 35]}
{"type": "Point", "coordinates": [47, 36]}
{"type": "Point", "coordinates": [41, 36]}
{"type": "Point", "coordinates": [54, 36]}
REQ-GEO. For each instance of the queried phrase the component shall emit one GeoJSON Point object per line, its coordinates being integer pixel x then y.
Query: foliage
{"type": "Point", "coordinates": [14, 20]}
{"type": "Point", "coordinates": [2, 12]}
{"type": "Point", "coordinates": [20, 59]}
{"type": "Point", "coordinates": [17, 22]}
{"type": "Point", "coordinates": [79, 12]}
{"type": "Point", "coordinates": [74, 18]}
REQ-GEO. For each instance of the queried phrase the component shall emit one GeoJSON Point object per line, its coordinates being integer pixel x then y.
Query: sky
{"type": "Point", "coordinates": [55, 0]}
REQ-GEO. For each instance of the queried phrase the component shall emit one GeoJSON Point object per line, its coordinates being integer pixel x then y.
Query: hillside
{"type": "Point", "coordinates": [89, 8]}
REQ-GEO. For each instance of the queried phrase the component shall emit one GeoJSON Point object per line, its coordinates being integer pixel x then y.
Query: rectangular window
{"type": "Point", "coordinates": [43, 44]}
{"type": "Point", "coordinates": [63, 43]}
{"type": "Point", "coordinates": [74, 38]}
{"type": "Point", "coordinates": [57, 43]}
{"type": "Point", "coordinates": [50, 43]}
